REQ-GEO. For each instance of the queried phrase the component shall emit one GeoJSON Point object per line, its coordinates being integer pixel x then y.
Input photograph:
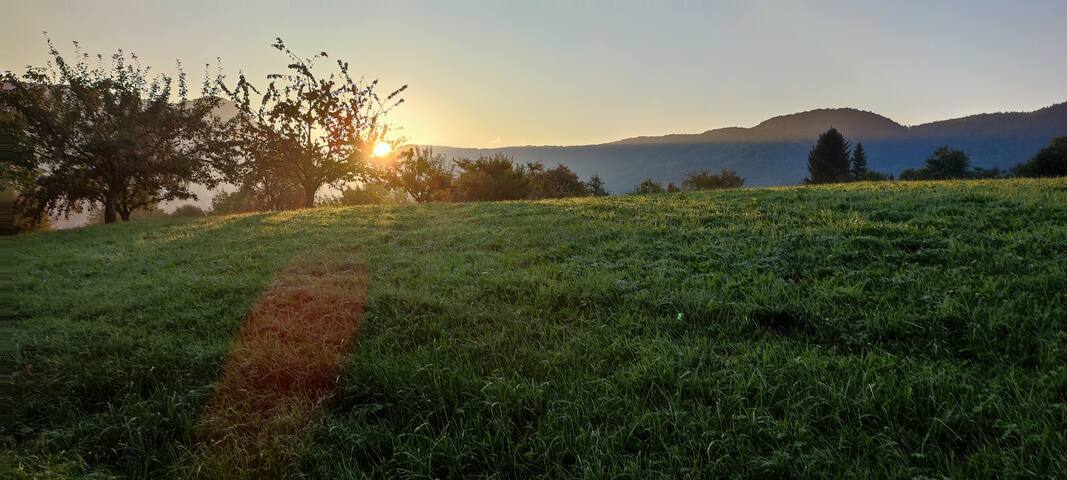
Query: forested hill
{"type": "Point", "coordinates": [774, 152]}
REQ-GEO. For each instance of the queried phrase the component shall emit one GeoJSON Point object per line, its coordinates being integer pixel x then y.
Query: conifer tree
{"type": "Point", "coordinates": [858, 170]}
{"type": "Point", "coordinates": [828, 161]}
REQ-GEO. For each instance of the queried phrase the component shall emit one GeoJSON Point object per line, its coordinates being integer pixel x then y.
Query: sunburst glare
{"type": "Point", "coordinates": [382, 149]}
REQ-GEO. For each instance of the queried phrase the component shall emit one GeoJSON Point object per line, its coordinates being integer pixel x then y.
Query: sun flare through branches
{"type": "Point", "coordinates": [382, 149]}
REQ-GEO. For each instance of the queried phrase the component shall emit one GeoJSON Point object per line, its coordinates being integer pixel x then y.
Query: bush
{"type": "Point", "coordinates": [1051, 161]}
{"type": "Point", "coordinates": [705, 180]}
{"type": "Point", "coordinates": [422, 175]}
{"type": "Point", "coordinates": [558, 182]}
{"type": "Point", "coordinates": [238, 201]}
{"type": "Point", "coordinates": [648, 187]}
{"type": "Point", "coordinates": [595, 186]}
{"type": "Point", "coordinates": [188, 211]}
{"type": "Point", "coordinates": [368, 194]}
{"type": "Point", "coordinates": [17, 216]}
{"type": "Point", "coordinates": [944, 164]}
{"type": "Point", "coordinates": [148, 212]}
{"type": "Point", "coordinates": [872, 176]}
{"type": "Point", "coordinates": [259, 197]}
{"type": "Point", "coordinates": [489, 178]}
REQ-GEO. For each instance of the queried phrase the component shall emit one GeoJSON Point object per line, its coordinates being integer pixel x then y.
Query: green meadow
{"type": "Point", "coordinates": [863, 330]}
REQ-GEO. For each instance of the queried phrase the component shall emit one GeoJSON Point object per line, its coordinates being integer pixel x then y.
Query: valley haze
{"type": "Point", "coordinates": [774, 152]}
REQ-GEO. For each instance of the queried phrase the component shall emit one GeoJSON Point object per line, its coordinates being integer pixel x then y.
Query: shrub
{"type": "Point", "coordinates": [705, 180]}
{"type": "Point", "coordinates": [595, 186]}
{"type": "Point", "coordinates": [490, 178]}
{"type": "Point", "coordinates": [422, 175]}
{"type": "Point", "coordinates": [648, 187]}
{"type": "Point", "coordinates": [946, 164]}
{"type": "Point", "coordinates": [368, 194]}
{"type": "Point", "coordinates": [1051, 161]}
{"type": "Point", "coordinates": [188, 211]}
{"type": "Point", "coordinates": [557, 182]}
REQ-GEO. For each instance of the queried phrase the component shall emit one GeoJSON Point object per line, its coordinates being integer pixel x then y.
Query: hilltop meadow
{"type": "Point", "coordinates": [862, 330]}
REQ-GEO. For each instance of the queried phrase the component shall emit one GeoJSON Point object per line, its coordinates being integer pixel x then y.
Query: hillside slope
{"type": "Point", "coordinates": [865, 330]}
{"type": "Point", "coordinates": [774, 152]}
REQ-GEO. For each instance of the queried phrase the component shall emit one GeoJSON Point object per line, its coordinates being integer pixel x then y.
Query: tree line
{"type": "Point", "coordinates": [833, 160]}
{"type": "Point", "coordinates": [417, 174]}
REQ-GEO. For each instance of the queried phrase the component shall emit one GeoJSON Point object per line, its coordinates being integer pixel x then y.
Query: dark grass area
{"type": "Point", "coordinates": [868, 330]}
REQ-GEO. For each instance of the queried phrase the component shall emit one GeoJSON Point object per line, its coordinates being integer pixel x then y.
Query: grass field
{"type": "Point", "coordinates": [884, 330]}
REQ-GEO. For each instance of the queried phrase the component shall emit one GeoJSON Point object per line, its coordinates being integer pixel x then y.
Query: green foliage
{"type": "Point", "coordinates": [857, 170]}
{"type": "Point", "coordinates": [705, 180]}
{"type": "Point", "coordinates": [368, 194]}
{"type": "Point", "coordinates": [647, 187]}
{"type": "Point", "coordinates": [829, 159]}
{"type": "Point", "coordinates": [1051, 161]}
{"type": "Point", "coordinates": [491, 178]}
{"type": "Point", "coordinates": [109, 137]}
{"type": "Point", "coordinates": [18, 167]}
{"type": "Point", "coordinates": [306, 130]}
{"type": "Point", "coordinates": [422, 175]}
{"type": "Point", "coordinates": [188, 211]}
{"type": "Point", "coordinates": [148, 212]}
{"type": "Point", "coordinates": [595, 186]}
{"type": "Point", "coordinates": [889, 330]}
{"type": "Point", "coordinates": [242, 200]}
{"type": "Point", "coordinates": [16, 217]}
{"type": "Point", "coordinates": [557, 182]}
{"type": "Point", "coordinates": [948, 164]}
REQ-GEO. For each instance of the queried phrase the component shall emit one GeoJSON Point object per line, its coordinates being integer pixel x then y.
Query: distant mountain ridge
{"type": "Point", "coordinates": [774, 152]}
{"type": "Point", "coordinates": [792, 127]}
{"type": "Point", "coordinates": [872, 126]}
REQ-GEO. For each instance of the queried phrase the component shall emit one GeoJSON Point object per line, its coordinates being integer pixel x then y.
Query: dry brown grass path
{"type": "Point", "coordinates": [285, 363]}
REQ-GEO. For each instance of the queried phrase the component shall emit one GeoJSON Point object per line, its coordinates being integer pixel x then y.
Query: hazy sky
{"type": "Point", "coordinates": [511, 73]}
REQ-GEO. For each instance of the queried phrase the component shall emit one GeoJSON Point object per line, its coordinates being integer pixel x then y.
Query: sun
{"type": "Point", "coordinates": [382, 149]}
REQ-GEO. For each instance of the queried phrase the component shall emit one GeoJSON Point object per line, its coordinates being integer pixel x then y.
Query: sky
{"type": "Point", "coordinates": [485, 73]}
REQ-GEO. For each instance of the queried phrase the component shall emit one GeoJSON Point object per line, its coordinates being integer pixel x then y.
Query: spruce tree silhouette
{"type": "Point", "coordinates": [828, 160]}
{"type": "Point", "coordinates": [858, 169]}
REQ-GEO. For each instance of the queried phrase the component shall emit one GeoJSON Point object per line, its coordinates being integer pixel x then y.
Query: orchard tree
{"type": "Point", "coordinates": [421, 174]}
{"type": "Point", "coordinates": [828, 161]}
{"type": "Point", "coordinates": [116, 136]}
{"type": "Point", "coordinates": [305, 131]}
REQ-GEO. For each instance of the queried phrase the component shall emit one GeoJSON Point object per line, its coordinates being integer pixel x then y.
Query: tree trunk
{"type": "Point", "coordinates": [110, 209]}
{"type": "Point", "coordinates": [125, 214]}
{"type": "Point", "coordinates": [309, 195]}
